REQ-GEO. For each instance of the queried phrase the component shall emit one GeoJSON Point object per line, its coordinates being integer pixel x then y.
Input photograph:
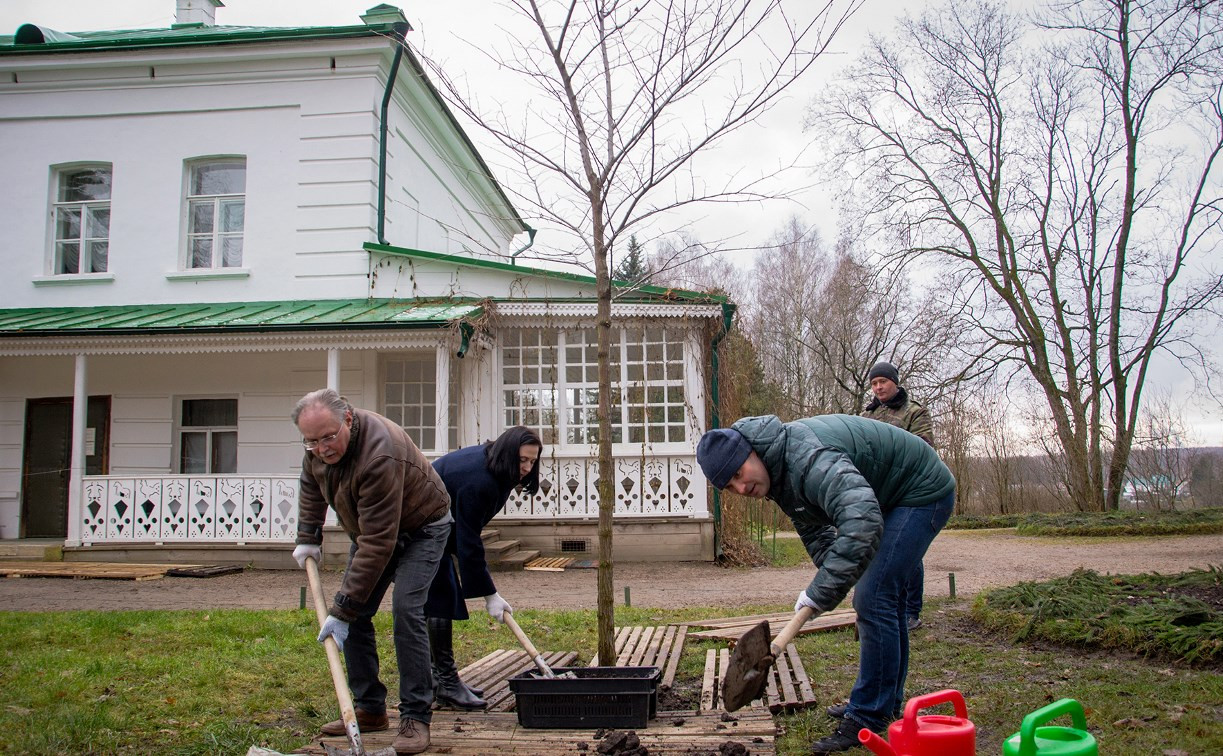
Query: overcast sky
{"type": "Point", "coordinates": [444, 30]}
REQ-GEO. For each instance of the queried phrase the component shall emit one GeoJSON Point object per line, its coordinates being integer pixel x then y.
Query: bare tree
{"type": "Point", "coordinates": [1069, 194]}
{"type": "Point", "coordinates": [626, 95]}
{"type": "Point", "coordinates": [1165, 454]}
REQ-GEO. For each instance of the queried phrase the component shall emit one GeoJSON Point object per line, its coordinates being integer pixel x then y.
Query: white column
{"type": "Point", "coordinates": [333, 368]}
{"type": "Point", "coordinates": [76, 473]}
{"type": "Point", "coordinates": [442, 430]}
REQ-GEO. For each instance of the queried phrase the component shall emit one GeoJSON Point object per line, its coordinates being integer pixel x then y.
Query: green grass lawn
{"type": "Point", "coordinates": [218, 682]}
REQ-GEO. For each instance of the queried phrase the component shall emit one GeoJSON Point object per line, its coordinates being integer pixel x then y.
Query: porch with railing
{"type": "Point", "coordinates": [262, 509]}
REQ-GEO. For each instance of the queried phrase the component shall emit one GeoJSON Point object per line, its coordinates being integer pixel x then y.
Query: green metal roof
{"type": "Point", "coordinates": [122, 39]}
{"type": "Point", "coordinates": [231, 317]}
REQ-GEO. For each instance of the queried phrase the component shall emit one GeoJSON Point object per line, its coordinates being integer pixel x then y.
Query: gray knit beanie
{"type": "Point", "coordinates": [884, 370]}
{"type": "Point", "coordinates": [721, 452]}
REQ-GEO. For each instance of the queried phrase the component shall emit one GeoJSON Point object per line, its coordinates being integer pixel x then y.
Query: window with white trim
{"type": "Point", "coordinates": [409, 398]}
{"type": "Point", "coordinates": [208, 436]}
{"type": "Point", "coordinates": [82, 220]}
{"type": "Point", "coordinates": [216, 213]}
{"type": "Point", "coordinates": [550, 382]}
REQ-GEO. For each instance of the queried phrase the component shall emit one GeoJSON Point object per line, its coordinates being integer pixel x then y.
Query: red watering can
{"type": "Point", "coordinates": [929, 735]}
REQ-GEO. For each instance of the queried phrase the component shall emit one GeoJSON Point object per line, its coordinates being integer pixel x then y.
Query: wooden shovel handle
{"type": "Point", "coordinates": [528, 645]}
{"type": "Point", "coordinates": [338, 679]}
{"type": "Point", "coordinates": [790, 630]}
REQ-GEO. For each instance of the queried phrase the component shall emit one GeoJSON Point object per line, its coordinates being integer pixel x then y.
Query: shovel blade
{"type": "Point", "coordinates": [748, 671]}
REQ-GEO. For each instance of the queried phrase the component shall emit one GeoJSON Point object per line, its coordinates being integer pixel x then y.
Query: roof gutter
{"type": "Point", "coordinates": [397, 33]}
{"type": "Point", "coordinates": [530, 240]}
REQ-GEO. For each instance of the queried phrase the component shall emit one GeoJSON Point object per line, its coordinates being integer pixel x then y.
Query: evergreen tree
{"type": "Point", "coordinates": [632, 268]}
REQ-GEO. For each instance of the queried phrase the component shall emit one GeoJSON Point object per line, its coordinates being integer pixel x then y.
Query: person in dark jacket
{"type": "Point", "coordinates": [396, 511]}
{"type": "Point", "coordinates": [890, 403]}
{"type": "Point", "coordinates": [479, 480]}
{"type": "Point", "coordinates": [886, 494]}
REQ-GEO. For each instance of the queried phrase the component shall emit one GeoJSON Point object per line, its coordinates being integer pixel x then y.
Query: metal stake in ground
{"type": "Point", "coordinates": [747, 674]}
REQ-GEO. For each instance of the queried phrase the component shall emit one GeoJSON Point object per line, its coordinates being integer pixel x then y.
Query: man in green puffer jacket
{"type": "Point", "coordinates": [886, 494]}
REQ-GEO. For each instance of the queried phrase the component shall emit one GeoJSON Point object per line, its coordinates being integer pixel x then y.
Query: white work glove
{"type": "Point", "coordinates": [336, 628]}
{"type": "Point", "coordinates": [805, 600]}
{"type": "Point", "coordinates": [307, 550]}
{"type": "Point", "coordinates": [497, 607]}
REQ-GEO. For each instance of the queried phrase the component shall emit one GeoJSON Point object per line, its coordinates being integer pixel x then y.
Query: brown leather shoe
{"type": "Point", "coordinates": [413, 737]}
{"type": "Point", "coordinates": [366, 722]}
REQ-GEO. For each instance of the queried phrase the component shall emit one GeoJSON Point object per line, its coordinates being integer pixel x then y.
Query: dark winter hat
{"type": "Point", "coordinates": [884, 370]}
{"type": "Point", "coordinates": [721, 453]}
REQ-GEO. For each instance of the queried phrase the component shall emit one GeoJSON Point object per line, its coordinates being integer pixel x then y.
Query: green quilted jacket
{"type": "Point", "coordinates": [844, 471]}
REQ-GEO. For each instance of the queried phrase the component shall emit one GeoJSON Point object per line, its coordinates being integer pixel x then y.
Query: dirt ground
{"type": "Point", "coordinates": [979, 559]}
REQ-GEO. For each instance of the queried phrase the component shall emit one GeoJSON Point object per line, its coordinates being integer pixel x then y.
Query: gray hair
{"type": "Point", "coordinates": [326, 398]}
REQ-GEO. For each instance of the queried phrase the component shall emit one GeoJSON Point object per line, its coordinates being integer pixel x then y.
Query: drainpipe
{"type": "Point", "coordinates": [530, 240]}
{"type": "Point", "coordinates": [728, 315]}
{"type": "Point", "coordinates": [397, 33]}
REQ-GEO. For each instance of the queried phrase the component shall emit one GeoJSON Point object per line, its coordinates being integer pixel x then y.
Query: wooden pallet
{"type": "Point", "coordinates": [481, 733]}
{"type": "Point", "coordinates": [493, 672]}
{"type": "Point", "coordinates": [733, 628]}
{"type": "Point", "coordinates": [788, 689]}
{"type": "Point", "coordinates": [89, 570]}
{"type": "Point", "coordinates": [549, 564]}
{"type": "Point", "coordinates": [650, 647]}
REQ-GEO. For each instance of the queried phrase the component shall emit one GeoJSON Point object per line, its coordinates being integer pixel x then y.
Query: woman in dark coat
{"type": "Point", "coordinates": [479, 480]}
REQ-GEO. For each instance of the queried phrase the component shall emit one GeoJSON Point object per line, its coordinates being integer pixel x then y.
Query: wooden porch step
{"type": "Point", "coordinates": [788, 689]}
{"type": "Point", "coordinates": [513, 562]}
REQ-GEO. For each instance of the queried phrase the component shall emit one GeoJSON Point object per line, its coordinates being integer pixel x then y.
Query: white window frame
{"type": "Point", "coordinates": [560, 381]}
{"type": "Point", "coordinates": [444, 421]}
{"type": "Point", "coordinates": [180, 429]}
{"type": "Point", "coordinates": [88, 210]}
{"type": "Point", "coordinates": [216, 235]}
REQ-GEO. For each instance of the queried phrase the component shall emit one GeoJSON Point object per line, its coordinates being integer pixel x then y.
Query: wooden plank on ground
{"type": "Point", "coordinates": [788, 687]}
{"type": "Point", "coordinates": [832, 621]}
{"type": "Point", "coordinates": [204, 570]}
{"type": "Point", "coordinates": [549, 564]}
{"type": "Point", "coordinates": [88, 570]}
{"type": "Point", "coordinates": [480, 733]}
{"type": "Point", "coordinates": [674, 651]}
{"type": "Point", "coordinates": [754, 619]}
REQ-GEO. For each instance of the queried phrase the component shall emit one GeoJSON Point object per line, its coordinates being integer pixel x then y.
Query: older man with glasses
{"type": "Point", "coordinates": [395, 509]}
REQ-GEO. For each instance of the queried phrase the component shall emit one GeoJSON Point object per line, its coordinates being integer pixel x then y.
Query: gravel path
{"type": "Point", "coordinates": [979, 559]}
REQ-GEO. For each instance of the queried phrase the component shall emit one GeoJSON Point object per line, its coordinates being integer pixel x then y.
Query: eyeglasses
{"type": "Point", "coordinates": [311, 445]}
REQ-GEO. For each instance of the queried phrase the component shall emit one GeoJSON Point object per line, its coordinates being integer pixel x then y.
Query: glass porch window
{"type": "Point", "coordinates": [208, 440]}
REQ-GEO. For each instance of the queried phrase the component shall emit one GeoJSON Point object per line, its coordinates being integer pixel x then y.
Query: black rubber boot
{"type": "Point", "coordinates": [448, 689]}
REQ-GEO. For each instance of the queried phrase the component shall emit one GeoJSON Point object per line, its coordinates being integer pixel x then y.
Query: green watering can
{"type": "Point", "coordinates": [1035, 740]}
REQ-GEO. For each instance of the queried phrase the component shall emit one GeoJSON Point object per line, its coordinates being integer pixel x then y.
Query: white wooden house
{"type": "Point", "coordinates": [203, 223]}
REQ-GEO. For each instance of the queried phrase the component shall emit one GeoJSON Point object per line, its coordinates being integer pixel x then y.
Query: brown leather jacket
{"type": "Point", "coordinates": [381, 487]}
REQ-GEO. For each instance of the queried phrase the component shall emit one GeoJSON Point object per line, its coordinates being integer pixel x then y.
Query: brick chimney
{"type": "Point", "coordinates": [196, 13]}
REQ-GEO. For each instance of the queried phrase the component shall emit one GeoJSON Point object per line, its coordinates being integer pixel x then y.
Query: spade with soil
{"type": "Point", "coordinates": [748, 671]}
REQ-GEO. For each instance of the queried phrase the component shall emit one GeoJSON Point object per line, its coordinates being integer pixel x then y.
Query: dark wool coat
{"type": "Point", "coordinates": [381, 487]}
{"type": "Point", "coordinates": [475, 497]}
{"type": "Point", "coordinates": [847, 472]}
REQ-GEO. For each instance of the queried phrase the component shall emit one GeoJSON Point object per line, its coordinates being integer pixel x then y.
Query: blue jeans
{"type": "Point", "coordinates": [883, 637]}
{"type": "Point", "coordinates": [411, 569]}
{"type": "Point", "coordinates": [914, 587]}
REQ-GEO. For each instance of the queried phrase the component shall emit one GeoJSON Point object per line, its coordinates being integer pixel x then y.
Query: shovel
{"type": "Point", "coordinates": [530, 647]}
{"type": "Point", "coordinates": [337, 672]}
{"type": "Point", "coordinates": [748, 671]}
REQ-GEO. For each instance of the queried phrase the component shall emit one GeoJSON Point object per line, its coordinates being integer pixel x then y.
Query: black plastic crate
{"type": "Point", "coordinates": [594, 697]}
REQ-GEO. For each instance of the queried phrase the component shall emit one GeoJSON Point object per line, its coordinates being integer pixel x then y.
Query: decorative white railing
{"type": "Point", "coordinates": [263, 508]}
{"type": "Point", "coordinates": [656, 486]}
{"type": "Point", "coordinates": [177, 508]}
